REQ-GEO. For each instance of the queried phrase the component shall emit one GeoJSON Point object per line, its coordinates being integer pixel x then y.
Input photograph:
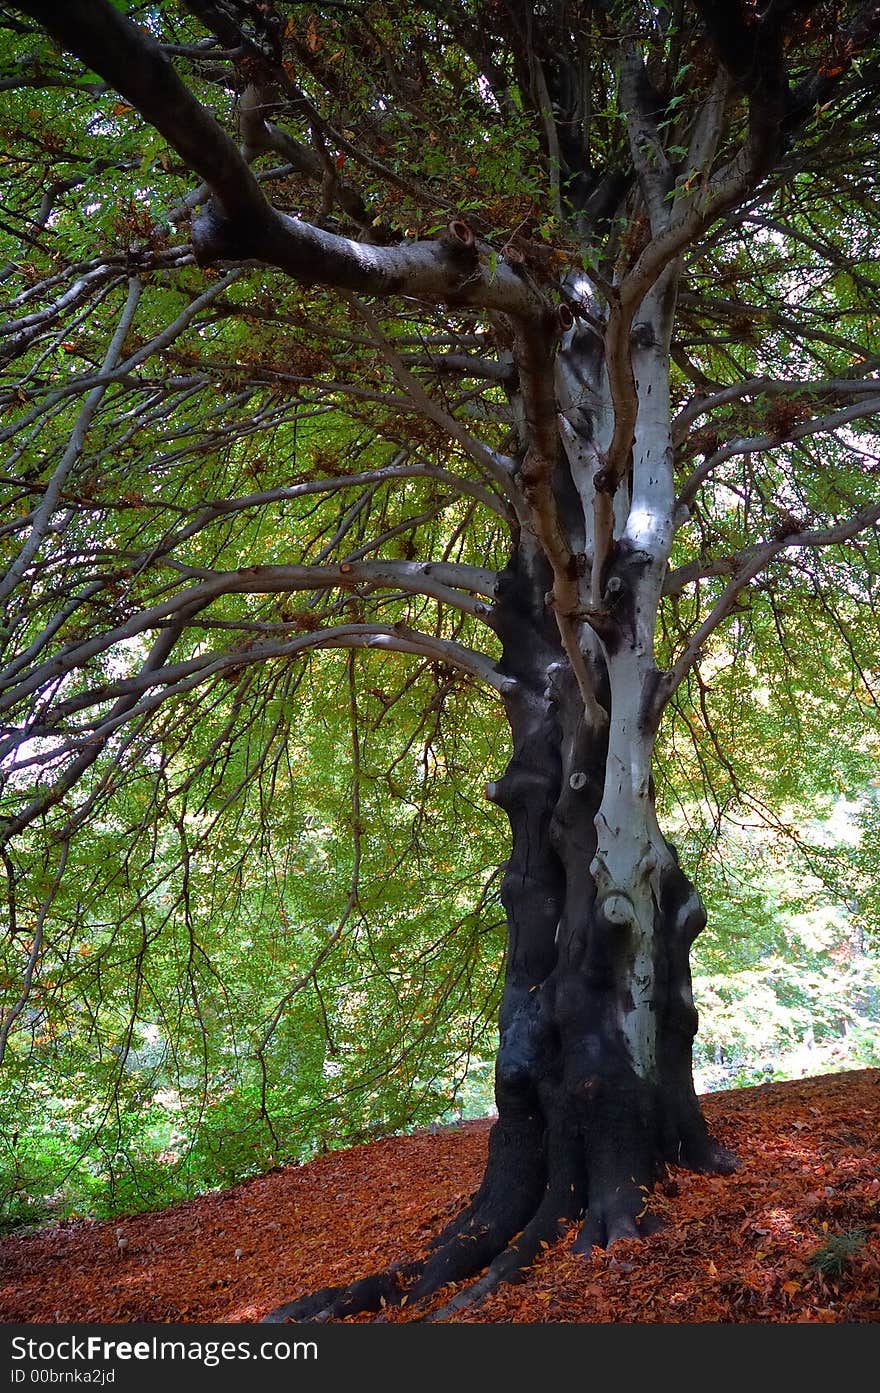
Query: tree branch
{"type": "Point", "coordinates": [241, 224]}
{"type": "Point", "coordinates": [751, 445]}
{"type": "Point", "coordinates": [750, 564]}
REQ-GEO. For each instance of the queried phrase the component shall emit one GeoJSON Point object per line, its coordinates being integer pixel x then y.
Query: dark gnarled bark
{"type": "Point", "coordinates": [584, 1129]}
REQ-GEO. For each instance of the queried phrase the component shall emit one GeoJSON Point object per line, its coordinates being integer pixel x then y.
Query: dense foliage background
{"type": "Point", "coordinates": [211, 1004]}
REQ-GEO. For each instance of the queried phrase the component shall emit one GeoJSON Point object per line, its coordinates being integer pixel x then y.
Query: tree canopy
{"type": "Point", "coordinates": [304, 311]}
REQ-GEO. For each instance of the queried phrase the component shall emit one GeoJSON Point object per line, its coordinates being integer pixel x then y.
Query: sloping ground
{"type": "Point", "coordinates": [794, 1235]}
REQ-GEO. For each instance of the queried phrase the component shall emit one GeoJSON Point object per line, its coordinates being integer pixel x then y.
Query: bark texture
{"type": "Point", "coordinates": [593, 1080]}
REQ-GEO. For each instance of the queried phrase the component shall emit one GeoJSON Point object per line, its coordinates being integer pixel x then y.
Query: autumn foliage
{"type": "Point", "coordinates": [794, 1235]}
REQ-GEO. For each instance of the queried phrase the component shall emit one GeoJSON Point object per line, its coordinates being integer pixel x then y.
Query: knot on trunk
{"type": "Point", "coordinates": [458, 238]}
{"type": "Point", "coordinates": [619, 910]}
{"type": "Point", "coordinates": [643, 336]}
{"type": "Point", "coordinates": [690, 917]}
{"type": "Point", "coordinates": [564, 319]}
{"type": "Point", "coordinates": [460, 245]}
{"type": "Point", "coordinates": [215, 237]}
{"type": "Point", "coordinates": [534, 470]}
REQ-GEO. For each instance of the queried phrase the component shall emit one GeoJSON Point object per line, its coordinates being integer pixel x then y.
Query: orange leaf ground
{"type": "Point", "coordinates": [794, 1235]}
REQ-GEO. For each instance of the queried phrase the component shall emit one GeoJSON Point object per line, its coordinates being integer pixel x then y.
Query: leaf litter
{"type": "Point", "coordinates": [792, 1236]}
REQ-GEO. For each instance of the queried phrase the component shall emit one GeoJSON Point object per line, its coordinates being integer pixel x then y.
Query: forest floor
{"type": "Point", "coordinates": [793, 1235]}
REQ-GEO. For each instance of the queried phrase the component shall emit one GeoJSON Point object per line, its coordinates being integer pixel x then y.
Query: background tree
{"type": "Point", "coordinates": [534, 344]}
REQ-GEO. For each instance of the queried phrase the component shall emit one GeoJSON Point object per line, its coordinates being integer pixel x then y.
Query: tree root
{"type": "Point", "coordinates": [477, 1244]}
{"type": "Point", "coordinates": [508, 1195]}
{"type": "Point", "coordinates": [513, 1215]}
{"type": "Point", "coordinates": [465, 1252]}
{"type": "Point", "coordinates": [544, 1229]}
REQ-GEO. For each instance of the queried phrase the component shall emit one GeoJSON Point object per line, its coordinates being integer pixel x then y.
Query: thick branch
{"type": "Point", "coordinates": [244, 225]}
{"type": "Point", "coordinates": [180, 677]}
{"type": "Point", "coordinates": [646, 148]}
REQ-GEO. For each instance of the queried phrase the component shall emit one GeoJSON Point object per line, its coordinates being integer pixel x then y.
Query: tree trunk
{"type": "Point", "coordinates": [593, 1078]}
{"type": "Point", "coordinates": [598, 1018]}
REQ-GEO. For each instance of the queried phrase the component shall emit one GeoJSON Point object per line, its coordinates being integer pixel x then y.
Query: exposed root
{"type": "Point", "coordinates": [702, 1153]}
{"type": "Point", "coordinates": [601, 1229]}
{"type": "Point", "coordinates": [615, 1212]}
{"type": "Point", "coordinates": [545, 1228]}
{"type": "Point", "coordinates": [720, 1161]}
{"type": "Point", "coordinates": [551, 1161]}
{"type": "Point", "coordinates": [333, 1303]}
{"type": "Point", "coordinates": [512, 1183]}
{"type": "Point", "coordinates": [513, 1215]}
{"type": "Point", "coordinates": [460, 1256]}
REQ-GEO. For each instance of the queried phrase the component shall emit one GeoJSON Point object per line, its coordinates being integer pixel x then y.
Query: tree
{"type": "Point", "coordinates": [532, 342]}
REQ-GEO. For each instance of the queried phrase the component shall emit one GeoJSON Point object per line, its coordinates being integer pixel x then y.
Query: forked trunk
{"type": "Point", "coordinates": [593, 1077]}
